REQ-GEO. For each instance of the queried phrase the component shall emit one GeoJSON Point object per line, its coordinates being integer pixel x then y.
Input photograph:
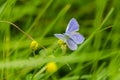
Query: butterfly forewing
{"type": "Point", "coordinates": [60, 36]}
{"type": "Point", "coordinates": [72, 26]}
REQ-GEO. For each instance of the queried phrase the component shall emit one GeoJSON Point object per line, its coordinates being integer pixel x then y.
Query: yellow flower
{"type": "Point", "coordinates": [51, 67]}
{"type": "Point", "coordinates": [34, 45]}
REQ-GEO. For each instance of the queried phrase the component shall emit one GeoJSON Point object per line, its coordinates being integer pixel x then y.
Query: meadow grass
{"type": "Point", "coordinates": [97, 58]}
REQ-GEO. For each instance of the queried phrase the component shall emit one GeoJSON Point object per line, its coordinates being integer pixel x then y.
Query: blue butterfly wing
{"type": "Point", "coordinates": [60, 36]}
{"type": "Point", "coordinates": [71, 44]}
{"type": "Point", "coordinates": [76, 37]}
{"type": "Point", "coordinates": [72, 26]}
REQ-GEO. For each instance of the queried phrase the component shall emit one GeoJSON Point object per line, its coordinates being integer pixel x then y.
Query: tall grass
{"type": "Point", "coordinates": [97, 58]}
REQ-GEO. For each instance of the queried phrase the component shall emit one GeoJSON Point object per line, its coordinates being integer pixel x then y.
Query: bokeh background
{"type": "Point", "coordinates": [97, 58]}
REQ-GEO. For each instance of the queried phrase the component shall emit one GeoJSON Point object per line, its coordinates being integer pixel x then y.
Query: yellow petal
{"type": "Point", "coordinates": [51, 67]}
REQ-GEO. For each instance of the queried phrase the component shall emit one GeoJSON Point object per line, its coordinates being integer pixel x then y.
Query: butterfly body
{"type": "Point", "coordinates": [71, 37]}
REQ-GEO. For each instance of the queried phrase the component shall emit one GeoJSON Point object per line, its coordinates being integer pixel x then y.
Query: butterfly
{"type": "Point", "coordinates": [71, 37]}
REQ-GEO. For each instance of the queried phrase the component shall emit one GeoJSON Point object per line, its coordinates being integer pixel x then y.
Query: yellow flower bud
{"type": "Point", "coordinates": [61, 42]}
{"type": "Point", "coordinates": [34, 45]}
{"type": "Point", "coordinates": [64, 46]}
{"type": "Point", "coordinates": [51, 67]}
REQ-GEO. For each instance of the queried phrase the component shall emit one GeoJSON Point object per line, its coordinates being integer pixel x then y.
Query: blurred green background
{"type": "Point", "coordinates": [98, 58]}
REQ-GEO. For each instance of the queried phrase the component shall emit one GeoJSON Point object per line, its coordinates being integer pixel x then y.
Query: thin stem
{"type": "Point", "coordinates": [18, 29]}
{"type": "Point", "coordinates": [34, 53]}
{"type": "Point", "coordinates": [21, 31]}
{"type": "Point", "coordinates": [39, 72]}
{"type": "Point", "coordinates": [69, 66]}
{"type": "Point", "coordinates": [105, 28]}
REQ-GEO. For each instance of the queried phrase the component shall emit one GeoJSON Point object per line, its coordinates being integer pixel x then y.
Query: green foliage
{"type": "Point", "coordinates": [98, 58]}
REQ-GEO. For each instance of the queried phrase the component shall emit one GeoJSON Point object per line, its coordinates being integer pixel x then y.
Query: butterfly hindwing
{"type": "Point", "coordinates": [71, 44]}
{"type": "Point", "coordinates": [76, 37]}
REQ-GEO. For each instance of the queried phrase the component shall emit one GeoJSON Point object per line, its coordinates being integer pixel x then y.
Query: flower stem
{"type": "Point", "coordinates": [18, 29]}
{"type": "Point", "coordinates": [38, 73]}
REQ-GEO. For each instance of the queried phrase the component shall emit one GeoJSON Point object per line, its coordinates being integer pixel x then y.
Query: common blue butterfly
{"type": "Point", "coordinates": [71, 37]}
